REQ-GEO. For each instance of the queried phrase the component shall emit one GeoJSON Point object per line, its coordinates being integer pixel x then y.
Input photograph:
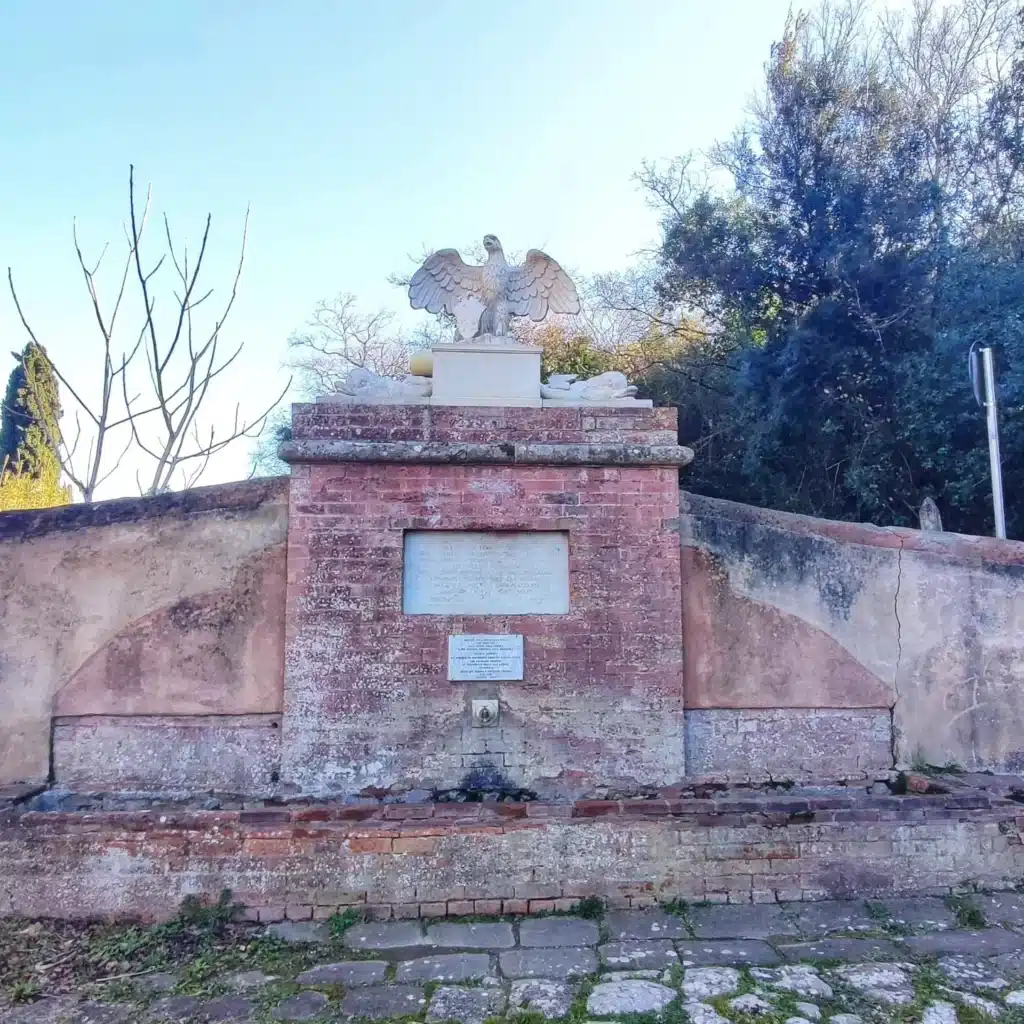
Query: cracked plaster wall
{"type": "Point", "coordinates": [169, 606]}
{"type": "Point", "coordinates": [785, 611]}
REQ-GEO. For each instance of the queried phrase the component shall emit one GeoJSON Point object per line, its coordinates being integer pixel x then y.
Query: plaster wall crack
{"type": "Point", "coordinates": [899, 650]}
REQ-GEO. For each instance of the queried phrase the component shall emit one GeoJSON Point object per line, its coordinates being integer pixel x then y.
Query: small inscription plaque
{"type": "Point", "coordinates": [482, 656]}
{"type": "Point", "coordinates": [454, 572]}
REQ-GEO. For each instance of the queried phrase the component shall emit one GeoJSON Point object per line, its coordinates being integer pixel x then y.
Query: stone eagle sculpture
{"type": "Point", "coordinates": [483, 299]}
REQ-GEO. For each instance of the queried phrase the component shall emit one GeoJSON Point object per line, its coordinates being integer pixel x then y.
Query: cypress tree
{"type": "Point", "coordinates": [31, 414]}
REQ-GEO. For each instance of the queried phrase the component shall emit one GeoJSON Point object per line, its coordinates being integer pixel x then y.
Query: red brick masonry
{"type": "Point", "coordinates": [451, 859]}
{"type": "Point", "coordinates": [367, 702]}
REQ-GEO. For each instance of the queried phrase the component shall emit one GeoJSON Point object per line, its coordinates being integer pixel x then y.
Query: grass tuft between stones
{"type": "Point", "coordinates": [968, 913]}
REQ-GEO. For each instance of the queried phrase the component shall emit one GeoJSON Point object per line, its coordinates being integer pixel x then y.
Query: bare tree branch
{"type": "Point", "coordinates": [181, 367]}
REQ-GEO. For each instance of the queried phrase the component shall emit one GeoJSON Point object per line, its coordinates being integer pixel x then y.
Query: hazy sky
{"type": "Point", "coordinates": [359, 133]}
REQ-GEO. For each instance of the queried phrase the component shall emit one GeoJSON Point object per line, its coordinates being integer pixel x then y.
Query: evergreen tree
{"type": "Point", "coordinates": [30, 427]}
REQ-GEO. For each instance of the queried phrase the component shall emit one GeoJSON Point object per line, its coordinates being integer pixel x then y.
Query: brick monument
{"type": "Point", "coordinates": [483, 588]}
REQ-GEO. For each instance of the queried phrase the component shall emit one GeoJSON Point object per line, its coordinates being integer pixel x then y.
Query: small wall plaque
{"type": "Point", "coordinates": [478, 657]}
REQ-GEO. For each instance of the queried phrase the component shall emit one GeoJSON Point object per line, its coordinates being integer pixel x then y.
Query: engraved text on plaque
{"type": "Point", "coordinates": [482, 656]}
{"type": "Point", "coordinates": [450, 572]}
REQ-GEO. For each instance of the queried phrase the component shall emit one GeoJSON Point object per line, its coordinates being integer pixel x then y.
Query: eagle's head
{"type": "Point", "coordinates": [491, 244]}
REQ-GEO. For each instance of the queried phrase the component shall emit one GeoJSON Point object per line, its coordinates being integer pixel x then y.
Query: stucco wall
{"type": "Point", "coordinates": [788, 612]}
{"type": "Point", "coordinates": [169, 606]}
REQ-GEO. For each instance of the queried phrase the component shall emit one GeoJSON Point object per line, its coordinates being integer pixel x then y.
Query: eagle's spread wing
{"type": "Point", "coordinates": [442, 281]}
{"type": "Point", "coordinates": [539, 285]}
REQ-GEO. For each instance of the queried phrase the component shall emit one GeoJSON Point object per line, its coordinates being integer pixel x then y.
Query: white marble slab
{"type": "Point", "coordinates": [449, 572]}
{"type": "Point", "coordinates": [476, 657]}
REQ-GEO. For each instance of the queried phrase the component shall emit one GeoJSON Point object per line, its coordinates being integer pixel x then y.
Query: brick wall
{"type": "Point", "coordinates": [435, 860]}
{"type": "Point", "coordinates": [367, 700]}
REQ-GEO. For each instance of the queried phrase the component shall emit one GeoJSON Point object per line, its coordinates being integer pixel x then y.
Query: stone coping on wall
{"type": "Point", "coordinates": [498, 453]}
{"type": "Point", "coordinates": [958, 546]}
{"type": "Point", "coordinates": [241, 496]}
{"type": "Point", "coordinates": [734, 807]}
{"type": "Point", "coordinates": [484, 424]}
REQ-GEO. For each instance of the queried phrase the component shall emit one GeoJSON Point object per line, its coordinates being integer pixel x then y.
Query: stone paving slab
{"type": "Point", "coordinates": [300, 931]}
{"type": "Point", "coordinates": [740, 921]}
{"type": "Point", "coordinates": [819, 919]}
{"type": "Point", "coordinates": [616, 998]}
{"type": "Point", "coordinates": [388, 936]}
{"type": "Point", "coordinates": [447, 967]}
{"type": "Point", "coordinates": [383, 1002]}
{"type": "Point", "coordinates": [966, 972]}
{"type": "Point", "coordinates": [161, 981]}
{"type": "Point", "coordinates": [981, 943]}
{"type": "Point", "coordinates": [645, 924]}
{"type": "Point", "coordinates": [654, 954]}
{"type": "Point", "coordinates": [98, 1013]}
{"type": "Point", "coordinates": [352, 973]}
{"type": "Point", "coordinates": [1010, 964]}
{"type": "Point", "coordinates": [472, 936]}
{"type": "Point", "coordinates": [174, 1008]}
{"type": "Point", "coordinates": [558, 931]}
{"type": "Point", "coordinates": [838, 949]}
{"type": "Point", "coordinates": [726, 952]}
{"type": "Point", "coordinates": [46, 1011]}
{"type": "Point", "coordinates": [550, 999]}
{"type": "Point", "coordinates": [227, 1008]}
{"type": "Point", "coordinates": [924, 912]}
{"type": "Point", "coordinates": [248, 981]}
{"type": "Point", "coordinates": [466, 1005]}
{"type": "Point", "coordinates": [1002, 908]}
{"type": "Point", "coordinates": [304, 1006]}
{"type": "Point", "coordinates": [550, 962]}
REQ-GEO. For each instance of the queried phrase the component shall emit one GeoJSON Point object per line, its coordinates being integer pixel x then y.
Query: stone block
{"type": "Point", "coordinates": [351, 973]}
{"type": "Point", "coordinates": [559, 931]}
{"type": "Point", "coordinates": [645, 924]}
{"type": "Point", "coordinates": [388, 935]}
{"type": "Point", "coordinates": [921, 913]}
{"type": "Point", "coordinates": [384, 1002]}
{"type": "Point", "coordinates": [838, 949]}
{"type": "Point", "coordinates": [987, 942]}
{"type": "Point", "coordinates": [472, 936]}
{"type": "Point", "coordinates": [704, 952]}
{"type": "Point", "coordinates": [227, 1008]}
{"type": "Point", "coordinates": [550, 999]}
{"type": "Point", "coordinates": [446, 967]}
{"type": "Point", "coordinates": [616, 998]}
{"type": "Point", "coordinates": [548, 962]}
{"type": "Point", "coordinates": [465, 1005]}
{"type": "Point", "coordinates": [827, 916]}
{"type": "Point", "coordinates": [753, 921]}
{"type": "Point", "coordinates": [1002, 908]}
{"type": "Point", "coordinates": [654, 953]}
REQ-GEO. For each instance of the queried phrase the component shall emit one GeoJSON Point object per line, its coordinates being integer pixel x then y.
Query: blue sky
{"type": "Point", "coordinates": [359, 132]}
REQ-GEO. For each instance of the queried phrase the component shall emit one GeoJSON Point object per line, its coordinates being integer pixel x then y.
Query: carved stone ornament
{"type": "Point", "coordinates": [363, 383]}
{"type": "Point", "coordinates": [483, 299]}
{"type": "Point", "coordinates": [604, 387]}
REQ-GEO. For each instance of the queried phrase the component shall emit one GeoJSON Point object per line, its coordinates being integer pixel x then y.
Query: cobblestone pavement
{"type": "Point", "coordinates": [853, 962]}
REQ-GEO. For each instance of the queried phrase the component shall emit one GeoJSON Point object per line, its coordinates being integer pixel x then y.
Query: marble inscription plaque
{"type": "Point", "coordinates": [483, 656]}
{"type": "Point", "coordinates": [450, 572]}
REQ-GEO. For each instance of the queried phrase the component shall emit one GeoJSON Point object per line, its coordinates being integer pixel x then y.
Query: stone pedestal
{"type": "Point", "coordinates": [487, 373]}
{"type": "Point", "coordinates": [411, 525]}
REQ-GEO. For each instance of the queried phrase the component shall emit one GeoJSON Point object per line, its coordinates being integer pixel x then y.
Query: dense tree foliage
{"type": "Point", "coordinates": [30, 470]}
{"type": "Point", "coordinates": [842, 251]}
{"type": "Point", "coordinates": [30, 424]}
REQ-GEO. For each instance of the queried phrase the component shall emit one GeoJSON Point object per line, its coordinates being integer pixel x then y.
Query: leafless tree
{"type": "Point", "coordinates": [339, 337]}
{"type": "Point", "coordinates": [162, 422]}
